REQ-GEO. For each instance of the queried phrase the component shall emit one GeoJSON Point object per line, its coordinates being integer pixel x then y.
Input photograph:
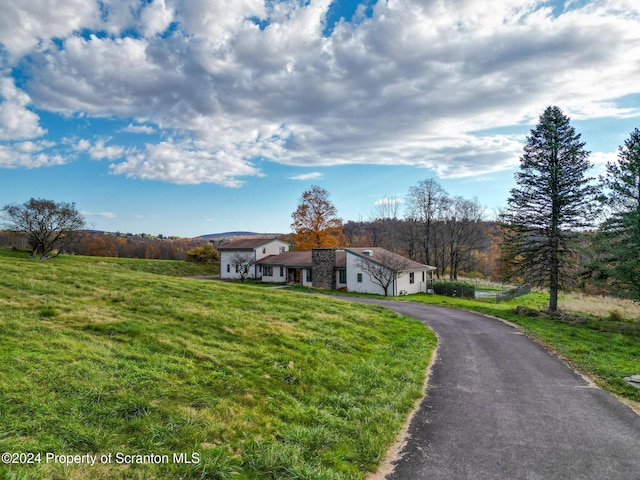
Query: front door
{"type": "Point", "coordinates": [293, 275]}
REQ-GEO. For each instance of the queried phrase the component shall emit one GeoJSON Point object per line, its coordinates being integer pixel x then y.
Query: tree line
{"type": "Point", "coordinates": [103, 244]}
{"type": "Point", "coordinates": [560, 228]}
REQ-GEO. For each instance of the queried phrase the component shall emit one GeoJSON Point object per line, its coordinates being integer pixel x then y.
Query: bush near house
{"type": "Point", "coordinates": [455, 289]}
{"type": "Point", "coordinates": [203, 254]}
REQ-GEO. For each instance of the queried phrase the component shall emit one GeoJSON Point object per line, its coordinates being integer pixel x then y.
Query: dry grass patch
{"type": "Point", "coordinates": [580, 304]}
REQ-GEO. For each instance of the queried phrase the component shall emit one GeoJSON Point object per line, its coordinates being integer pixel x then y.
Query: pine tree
{"type": "Point", "coordinates": [552, 201]}
{"type": "Point", "coordinates": [619, 235]}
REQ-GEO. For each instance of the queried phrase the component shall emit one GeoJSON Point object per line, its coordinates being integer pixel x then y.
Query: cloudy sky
{"type": "Point", "coordinates": [187, 117]}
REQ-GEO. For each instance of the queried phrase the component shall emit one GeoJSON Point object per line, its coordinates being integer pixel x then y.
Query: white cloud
{"type": "Point", "coordinates": [411, 85]}
{"type": "Point", "coordinates": [17, 122]}
{"type": "Point", "coordinates": [99, 214]}
{"type": "Point", "coordinates": [156, 17]}
{"type": "Point", "coordinates": [21, 155]}
{"type": "Point", "coordinates": [184, 164]}
{"type": "Point", "coordinates": [307, 176]}
{"type": "Point", "coordinates": [29, 25]}
{"type": "Point", "coordinates": [83, 145]}
{"type": "Point", "coordinates": [100, 151]}
{"type": "Point", "coordinates": [32, 147]}
{"type": "Point", "coordinates": [145, 129]}
{"type": "Point", "coordinates": [388, 201]}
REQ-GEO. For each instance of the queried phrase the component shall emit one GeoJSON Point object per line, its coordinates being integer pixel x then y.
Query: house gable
{"type": "Point", "coordinates": [413, 277]}
{"type": "Point", "coordinates": [257, 248]}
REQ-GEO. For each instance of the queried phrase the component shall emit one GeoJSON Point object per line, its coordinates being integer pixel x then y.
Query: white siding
{"type": "Point", "coordinates": [405, 285]}
{"type": "Point", "coordinates": [401, 284]}
{"type": "Point", "coordinates": [273, 247]}
{"type": "Point", "coordinates": [367, 285]}
{"type": "Point", "coordinates": [275, 277]}
{"type": "Point", "coordinates": [225, 264]}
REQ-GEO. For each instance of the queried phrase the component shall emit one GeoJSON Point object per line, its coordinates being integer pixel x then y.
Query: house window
{"type": "Point", "coordinates": [264, 249]}
{"type": "Point", "coordinates": [423, 276]}
{"type": "Point", "coordinates": [282, 271]}
{"type": "Point", "coordinates": [359, 278]}
{"type": "Point", "coordinates": [309, 276]}
{"type": "Point", "coordinates": [267, 271]}
{"type": "Point", "coordinates": [228, 268]}
{"type": "Point", "coordinates": [282, 250]}
{"type": "Point", "coordinates": [412, 277]}
{"type": "Point", "coordinates": [237, 268]}
{"type": "Point", "coordinates": [343, 276]}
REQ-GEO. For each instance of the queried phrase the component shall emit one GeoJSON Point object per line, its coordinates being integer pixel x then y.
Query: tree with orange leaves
{"type": "Point", "coordinates": [315, 221]}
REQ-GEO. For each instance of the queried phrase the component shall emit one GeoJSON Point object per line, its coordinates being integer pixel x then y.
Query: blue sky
{"type": "Point", "coordinates": [191, 117]}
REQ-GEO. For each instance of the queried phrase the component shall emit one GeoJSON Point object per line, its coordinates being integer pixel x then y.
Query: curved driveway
{"type": "Point", "coordinates": [498, 406]}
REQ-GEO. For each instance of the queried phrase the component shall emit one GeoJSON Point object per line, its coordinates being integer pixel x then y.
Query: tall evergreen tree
{"type": "Point", "coordinates": [619, 235]}
{"type": "Point", "coordinates": [553, 199]}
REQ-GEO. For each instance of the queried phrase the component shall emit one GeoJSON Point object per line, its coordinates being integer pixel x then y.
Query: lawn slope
{"type": "Point", "coordinates": [100, 358]}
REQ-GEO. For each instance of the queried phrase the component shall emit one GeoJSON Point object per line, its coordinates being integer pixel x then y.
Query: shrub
{"type": "Point", "coordinates": [203, 254]}
{"type": "Point", "coordinates": [527, 311]}
{"type": "Point", "coordinates": [616, 316]}
{"type": "Point", "coordinates": [455, 289]}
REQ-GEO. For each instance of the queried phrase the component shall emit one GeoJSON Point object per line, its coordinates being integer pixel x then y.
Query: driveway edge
{"type": "Point", "coordinates": [394, 452]}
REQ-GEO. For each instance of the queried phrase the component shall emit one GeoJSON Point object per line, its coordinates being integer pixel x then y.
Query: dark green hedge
{"type": "Point", "coordinates": [455, 289]}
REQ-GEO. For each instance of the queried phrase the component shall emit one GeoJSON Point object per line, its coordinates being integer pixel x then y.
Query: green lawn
{"type": "Point", "coordinates": [124, 357]}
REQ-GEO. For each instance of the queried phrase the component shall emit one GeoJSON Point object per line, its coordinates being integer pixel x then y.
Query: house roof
{"type": "Point", "coordinates": [299, 259]}
{"type": "Point", "coordinates": [247, 243]}
{"type": "Point", "coordinates": [378, 253]}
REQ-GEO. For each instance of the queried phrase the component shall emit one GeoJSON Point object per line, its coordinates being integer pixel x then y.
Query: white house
{"type": "Point", "coordinates": [364, 270]}
{"type": "Point", "coordinates": [299, 268]}
{"type": "Point", "coordinates": [369, 270]}
{"type": "Point", "coordinates": [254, 248]}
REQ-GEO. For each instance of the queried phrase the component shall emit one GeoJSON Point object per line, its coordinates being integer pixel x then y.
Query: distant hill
{"type": "Point", "coordinates": [236, 235]}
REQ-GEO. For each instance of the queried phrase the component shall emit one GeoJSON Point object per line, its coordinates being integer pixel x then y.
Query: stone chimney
{"type": "Point", "coordinates": [323, 270]}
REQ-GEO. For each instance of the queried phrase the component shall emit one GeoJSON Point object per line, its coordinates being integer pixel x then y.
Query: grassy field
{"type": "Point", "coordinates": [603, 343]}
{"type": "Point", "coordinates": [123, 359]}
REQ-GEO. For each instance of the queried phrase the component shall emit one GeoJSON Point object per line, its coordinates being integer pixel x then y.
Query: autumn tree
{"type": "Point", "coordinates": [553, 199]}
{"type": "Point", "coordinates": [48, 226]}
{"type": "Point", "coordinates": [205, 253]}
{"type": "Point", "coordinates": [101, 246]}
{"type": "Point", "coordinates": [315, 221]}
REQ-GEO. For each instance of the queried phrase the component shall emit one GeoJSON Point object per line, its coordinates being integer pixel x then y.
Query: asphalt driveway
{"type": "Point", "coordinates": [499, 406]}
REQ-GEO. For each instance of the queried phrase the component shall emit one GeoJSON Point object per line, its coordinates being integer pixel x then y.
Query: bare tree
{"type": "Point", "coordinates": [384, 269]}
{"type": "Point", "coordinates": [383, 222]}
{"type": "Point", "coordinates": [242, 262]}
{"type": "Point", "coordinates": [409, 232]}
{"type": "Point", "coordinates": [463, 227]}
{"type": "Point", "coordinates": [48, 226]}
{"type": "Point", "coordinates": [425, 203]}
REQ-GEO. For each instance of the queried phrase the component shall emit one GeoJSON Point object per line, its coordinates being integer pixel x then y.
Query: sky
{"type": "Point", "coordinates": [189, 117]}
